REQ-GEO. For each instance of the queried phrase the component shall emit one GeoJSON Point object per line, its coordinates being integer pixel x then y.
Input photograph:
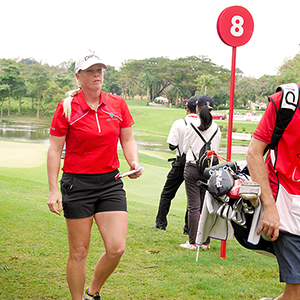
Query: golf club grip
{"type": "Point", "coordinates": [229, 164]}
{"type": "Point", "coordinates": [202, 184]}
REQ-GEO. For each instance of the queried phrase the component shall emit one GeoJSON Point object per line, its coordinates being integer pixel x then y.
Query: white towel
{"type": "Point", "coordinates": [253, 238]}
{"type": "Point", "coordinates": [210, 223]}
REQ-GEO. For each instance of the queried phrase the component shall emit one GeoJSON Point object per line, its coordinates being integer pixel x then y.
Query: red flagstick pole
{"type": "Point", "coordinates": [231, 103]}
{"type": "Point", "coordinates": [235, 27]}
{"type": "Point", "coordinates": [230, 122]}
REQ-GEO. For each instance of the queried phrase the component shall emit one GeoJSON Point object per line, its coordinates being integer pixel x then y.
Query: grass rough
{"type": "Point", "coordinates": [35, 248]}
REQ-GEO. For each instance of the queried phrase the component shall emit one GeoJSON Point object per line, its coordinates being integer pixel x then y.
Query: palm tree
{"type": "Point", "coordinates": [205, 82]}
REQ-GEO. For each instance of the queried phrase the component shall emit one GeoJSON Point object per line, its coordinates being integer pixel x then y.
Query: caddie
{"type": "Point", "coordinates": [279, 179]}
{"type": "Point", "coordinates": [175, 176]}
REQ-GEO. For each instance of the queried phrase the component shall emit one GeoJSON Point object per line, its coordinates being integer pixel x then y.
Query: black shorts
{"type": "Point", "coordinates": [288, 256]}
{"type": "Point", "coordinates": [84, 195]}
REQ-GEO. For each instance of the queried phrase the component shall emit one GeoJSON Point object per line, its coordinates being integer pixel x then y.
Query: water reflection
{"type": "Point", "coordinates": [25, 131]}
{"type": "Point", "coordinates": [34, 131]}
{"type": "Point", "coordinates": [151, 142]}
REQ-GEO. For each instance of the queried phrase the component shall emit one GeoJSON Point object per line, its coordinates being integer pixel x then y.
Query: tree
{"type": "Point", "coordinates": [206, 82]}
{"type": "Point", "coordinates": [28, 61]}
{"type": "Point", "coordinates": [162, 76]}
{"type": "Point", "coordinates": [264, 87]}
{"type": "Point", "coordinates": [4, 90]}
{"type": "Point", "coordinates": [178, 86]}
{"type": "Point", "coordinates": [9, 77]}
{"type": "Point", "coordinates": [245, 90]}
{"type": "Point", "coordinates": [20, 90]}
{"type": "Point", "coordinates": [52, 96]}
{"type": "Point", "coordinates": [129, 75]}
{"type": "Point", "coordinates": [221, 97]}
{"type": "Point", "coordinates": [111, 82]}
{"type": "Point", "coordinates": [146, 81]}
{"type": "Point", "coordinates": [290, 70]}
{"type": "Point", "coordinates": [131, 80]}
{"type": "Point", "coordinates": [39, 78]}
{"type": "Point", "coordinates": [68, 66]}
{"type": "Point", "coordinates": [64, 80]}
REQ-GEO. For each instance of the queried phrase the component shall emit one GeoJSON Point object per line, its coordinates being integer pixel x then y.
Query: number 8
{"type": "Point", "coordinates": [237, 28]}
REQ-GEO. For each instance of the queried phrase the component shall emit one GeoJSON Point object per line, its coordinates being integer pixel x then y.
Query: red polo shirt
{"type": "Point", "coordinates": [92, 136]}
{"type": "Point", "coordinates": [284, 170]}
{"type": "Point", "coordinates": [287, 167]}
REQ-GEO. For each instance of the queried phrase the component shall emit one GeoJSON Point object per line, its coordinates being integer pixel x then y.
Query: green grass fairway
{"type": "Point", "coordinates": [34, 246]}
{"type": "Point", "coordinates": [22, 155]}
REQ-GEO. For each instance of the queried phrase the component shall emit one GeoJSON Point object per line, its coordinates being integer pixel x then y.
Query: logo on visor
{"type": "Point", "coordinates": [91, 56]}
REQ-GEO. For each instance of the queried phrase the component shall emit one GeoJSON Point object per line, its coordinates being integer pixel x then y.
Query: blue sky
{"type": "Point", "coordinates": [56, 31]}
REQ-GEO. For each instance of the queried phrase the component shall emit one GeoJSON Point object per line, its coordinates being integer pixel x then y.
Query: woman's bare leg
{"type": "Point", "coordinates": [79, 233]}
{"type": "Point", "coordinates": [113, 229]}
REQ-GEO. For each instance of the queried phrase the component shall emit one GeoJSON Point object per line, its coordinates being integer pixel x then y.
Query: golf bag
{"type": "Point", "coordinates": [238, 198]}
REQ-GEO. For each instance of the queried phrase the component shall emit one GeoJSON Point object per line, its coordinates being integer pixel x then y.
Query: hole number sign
{"type": "Point", "coordinates": [235, 26]}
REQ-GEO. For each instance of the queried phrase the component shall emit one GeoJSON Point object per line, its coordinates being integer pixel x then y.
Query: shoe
{"type": "Point", "coordinates": [87, 296]}
{"type": "Point", "coordinates": [156, 227]}
{"type": "Point", "coordinates": [205, 246]}
{"type": "Point", "coordinates": [189, 246]}
{"type": "Point", "coordinates": [185, 231]}
{"type": "Point", "coordinates": [267, 299]}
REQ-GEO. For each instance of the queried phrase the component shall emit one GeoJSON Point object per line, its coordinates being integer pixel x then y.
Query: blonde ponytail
{"type": "Point", "coordinates": [67, 102]}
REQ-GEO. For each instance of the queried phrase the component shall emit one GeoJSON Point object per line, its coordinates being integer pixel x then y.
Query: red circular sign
{"type": "Point", "coordinates": [235, 26]}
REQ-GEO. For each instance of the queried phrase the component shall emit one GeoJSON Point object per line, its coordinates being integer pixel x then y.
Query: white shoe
{"type": "Point", "coordinates": [189, 246]}
{"type": "Point", "coordinates": [205, 246]}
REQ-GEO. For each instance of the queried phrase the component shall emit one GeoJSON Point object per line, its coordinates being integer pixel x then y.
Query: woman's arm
{"type": "Point", "coordinates": [53, 167]}
{"type": "Point", "coordinates": [130, 150]}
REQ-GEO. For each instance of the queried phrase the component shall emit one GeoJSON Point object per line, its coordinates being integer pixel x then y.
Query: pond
{"type": "Point", "coordinates": [24, 131]}
{"type": "Point", "coordinates": [38, 132]}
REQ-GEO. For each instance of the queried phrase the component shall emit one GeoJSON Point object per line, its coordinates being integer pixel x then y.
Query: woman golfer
{"type": "Point", "coordinates": [89, 122]}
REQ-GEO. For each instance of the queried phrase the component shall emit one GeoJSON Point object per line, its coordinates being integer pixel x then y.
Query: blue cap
{"type": "Point", "coordinates": [206, 100]}
{"type": "Point", "coordinates": [192, 102]}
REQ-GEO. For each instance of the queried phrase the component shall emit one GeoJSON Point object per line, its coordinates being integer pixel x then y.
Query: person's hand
{"type": "Point", "coordinates": [134, 166]}
{"type": "Point", "coordinates": [55, 202]}
{"type": "Point", "coordinates": [269, 223]}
